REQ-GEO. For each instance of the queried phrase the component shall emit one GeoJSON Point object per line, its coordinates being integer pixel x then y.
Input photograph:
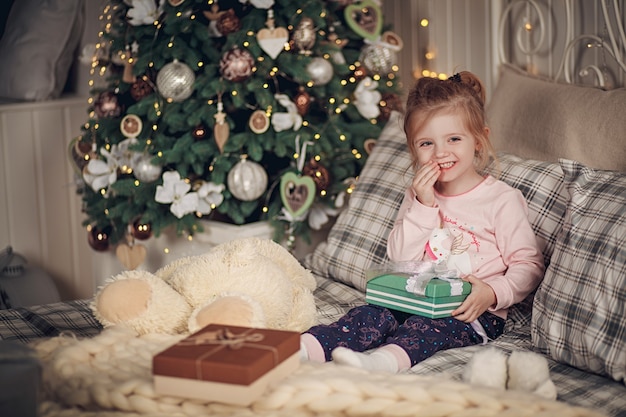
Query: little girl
{"type": "Point", "coordinates": [451, 215]}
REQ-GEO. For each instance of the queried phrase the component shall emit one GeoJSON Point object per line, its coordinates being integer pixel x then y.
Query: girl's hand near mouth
{"type": "Point", "coordinates": [424, 183]}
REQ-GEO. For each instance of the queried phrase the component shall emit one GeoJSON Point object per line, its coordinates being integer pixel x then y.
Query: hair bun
{"type": "Point", "coordinates": [473, 82]}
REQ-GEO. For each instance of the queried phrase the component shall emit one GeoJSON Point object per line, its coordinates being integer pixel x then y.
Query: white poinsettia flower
{"type": "Point", "coordinates": [366, 98]}
{"type": "Point", "coordinates": [143, 12]}
{"type": "Point", "coordinates": [290, 119]}
{"type": "Point", "coordinates": [100, 174]}
{"type": "Point", "coordinates": [123, 157]}
{"type": "Point", "coordinates": [210, 196]}
{"type": "Point", "coordinates": [320, 214]}
{"type": "Point", "coordinates": [175, 191]}
{"type": "Point", "coordinates": [259, 4]}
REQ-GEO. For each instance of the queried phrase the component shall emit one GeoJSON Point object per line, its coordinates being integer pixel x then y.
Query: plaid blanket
{"type": "Point", "coordinates": [574, 386]}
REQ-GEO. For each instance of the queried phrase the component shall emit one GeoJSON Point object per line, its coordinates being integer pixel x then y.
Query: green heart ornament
{"type": "Point", "coordinates": [365, 19]}
{"type": "Point", "coordinates": [297, 193]}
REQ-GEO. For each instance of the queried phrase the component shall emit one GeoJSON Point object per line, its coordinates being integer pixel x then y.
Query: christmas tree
{"type": "Point", "coordinates": [237, 110]}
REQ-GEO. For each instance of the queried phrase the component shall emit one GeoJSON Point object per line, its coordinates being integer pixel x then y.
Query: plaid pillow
{"type": "Point", "coordinates": [358, 239]}
{"type": "Point", "coordinates": [542, 186]}
{"type": "Point", "coordinates": [580, 307]}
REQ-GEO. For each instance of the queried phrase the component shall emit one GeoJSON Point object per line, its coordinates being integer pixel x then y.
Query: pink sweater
{"type": "Point", "coordinates": [484, 232]}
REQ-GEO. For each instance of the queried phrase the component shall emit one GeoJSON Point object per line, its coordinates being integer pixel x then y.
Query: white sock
{"type": "Point", "coordinates": [377, 360]}
{"type": "Point", "coordinates": [529, 371]}
{"type": "Point", "coordinates": [304, 354]}
{"type": "Point", "coordinates": [311, 349]}
{"type": "Point", "coordinates": [491, 359]}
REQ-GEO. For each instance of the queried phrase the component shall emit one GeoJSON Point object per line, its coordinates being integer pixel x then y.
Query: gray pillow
{"type": "Point", "coordinates": [38, 48]}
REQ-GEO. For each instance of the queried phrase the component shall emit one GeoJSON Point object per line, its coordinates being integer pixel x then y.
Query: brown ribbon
{"type": "Point", "coordinates": [224, 338]}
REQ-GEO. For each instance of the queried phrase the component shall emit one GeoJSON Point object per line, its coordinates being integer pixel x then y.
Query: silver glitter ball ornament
{"type": "Point", "coordinates": [378, 59]}
{"type": "Point", "coordinates": [175, 81]}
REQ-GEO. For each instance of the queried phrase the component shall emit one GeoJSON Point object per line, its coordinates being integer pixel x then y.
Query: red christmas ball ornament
{"type": "Point", "coordinates": [360, 73]}
{"type": "Point", "coordinates": [141, 230]}
{"type": "Point", "coordinates": [199, 132]}
{"type": "Point", "coordinates": [81, 152]}
{"type": "Point", "coordinates": [141, 88]}
{"type": "Point", "coordinates": [319, 173]}
{"type": "Point", "coordinates": [388, 103]}
{"type": "Point", "coordinates": [98, 238]}
{"type": "Point", "coordinates": [236, 65]}
{"type": "Point", "coordinates": [228, 22]}
{"type": "Point", "coordinates": [303, 102]}
{"type": "Point", "coordinates": [107, 105]}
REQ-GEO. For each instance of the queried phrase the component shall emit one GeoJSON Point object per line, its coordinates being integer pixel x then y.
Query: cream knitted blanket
{"type": "Point", "coordinates": [110, 376]}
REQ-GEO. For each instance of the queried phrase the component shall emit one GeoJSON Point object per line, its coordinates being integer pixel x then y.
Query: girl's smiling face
{"type": "Point", "coordinates": [444, 140]}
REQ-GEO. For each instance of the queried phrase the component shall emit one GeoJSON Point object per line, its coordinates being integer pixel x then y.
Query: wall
{"type": "Point", "coordinates": [459, 34]}
{"type": "Point", "coordinates": [39, 209]}
{"type": "Point", "coordinates": [465, 34]}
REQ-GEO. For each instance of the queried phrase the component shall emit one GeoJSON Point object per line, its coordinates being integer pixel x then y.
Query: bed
{"type": "Point", "coordinates": [562, 145]}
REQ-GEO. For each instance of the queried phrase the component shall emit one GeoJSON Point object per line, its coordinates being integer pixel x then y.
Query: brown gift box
{"type": "Point", "coordinates": [226, 363]}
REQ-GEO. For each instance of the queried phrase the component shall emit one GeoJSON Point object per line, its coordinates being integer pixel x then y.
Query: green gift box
{"type": "Point", "coordinates": [389, 291]}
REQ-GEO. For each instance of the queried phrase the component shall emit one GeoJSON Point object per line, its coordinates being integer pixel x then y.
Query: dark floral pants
{"type": "Point", "coordinates": [370, 326]}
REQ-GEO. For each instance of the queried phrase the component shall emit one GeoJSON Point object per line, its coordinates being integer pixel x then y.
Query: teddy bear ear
{"type": "Point", "coordinates": [228, 309]}
{"type": "Point", "coordinates": [285, 259]}
{"type": "Point", "coordinates": [167, 271]}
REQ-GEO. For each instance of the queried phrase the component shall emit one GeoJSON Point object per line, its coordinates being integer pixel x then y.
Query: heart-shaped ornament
{"type": "Point", "coordinates": [297, 193]}
{"type": "Point", "coordinates": [131, 256]}
{"type": "Point", "coordinates": [365, 19]}
{"type": "Point", "coordinates": [273, 41]}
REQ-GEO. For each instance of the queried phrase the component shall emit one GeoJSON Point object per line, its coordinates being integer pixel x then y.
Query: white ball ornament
{"type": "Point", "coordinates": [144, 170]}
{"type": "Point", "coordinates": [247, 180]}
{"type": "Point", "coordinates": [175, 81]}
{"type": "Point", "coordinates": [320, 70]}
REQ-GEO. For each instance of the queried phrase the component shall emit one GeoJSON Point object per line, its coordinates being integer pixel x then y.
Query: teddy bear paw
{"type": "Point", "coordinates": [228, 309]}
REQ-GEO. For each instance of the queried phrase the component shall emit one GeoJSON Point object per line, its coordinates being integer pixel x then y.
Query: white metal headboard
{"type": "Point", "coordinates": [575, 41]}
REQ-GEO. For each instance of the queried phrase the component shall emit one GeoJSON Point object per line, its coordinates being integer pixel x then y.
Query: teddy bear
{"type": "Point", "coordinates": [521, 370]}
{"type": "Point", "coordinates": [249, 282]}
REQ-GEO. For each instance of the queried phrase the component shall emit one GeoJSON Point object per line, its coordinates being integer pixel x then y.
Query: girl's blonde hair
{"type": "Point", "coordinates": [463, 93]}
